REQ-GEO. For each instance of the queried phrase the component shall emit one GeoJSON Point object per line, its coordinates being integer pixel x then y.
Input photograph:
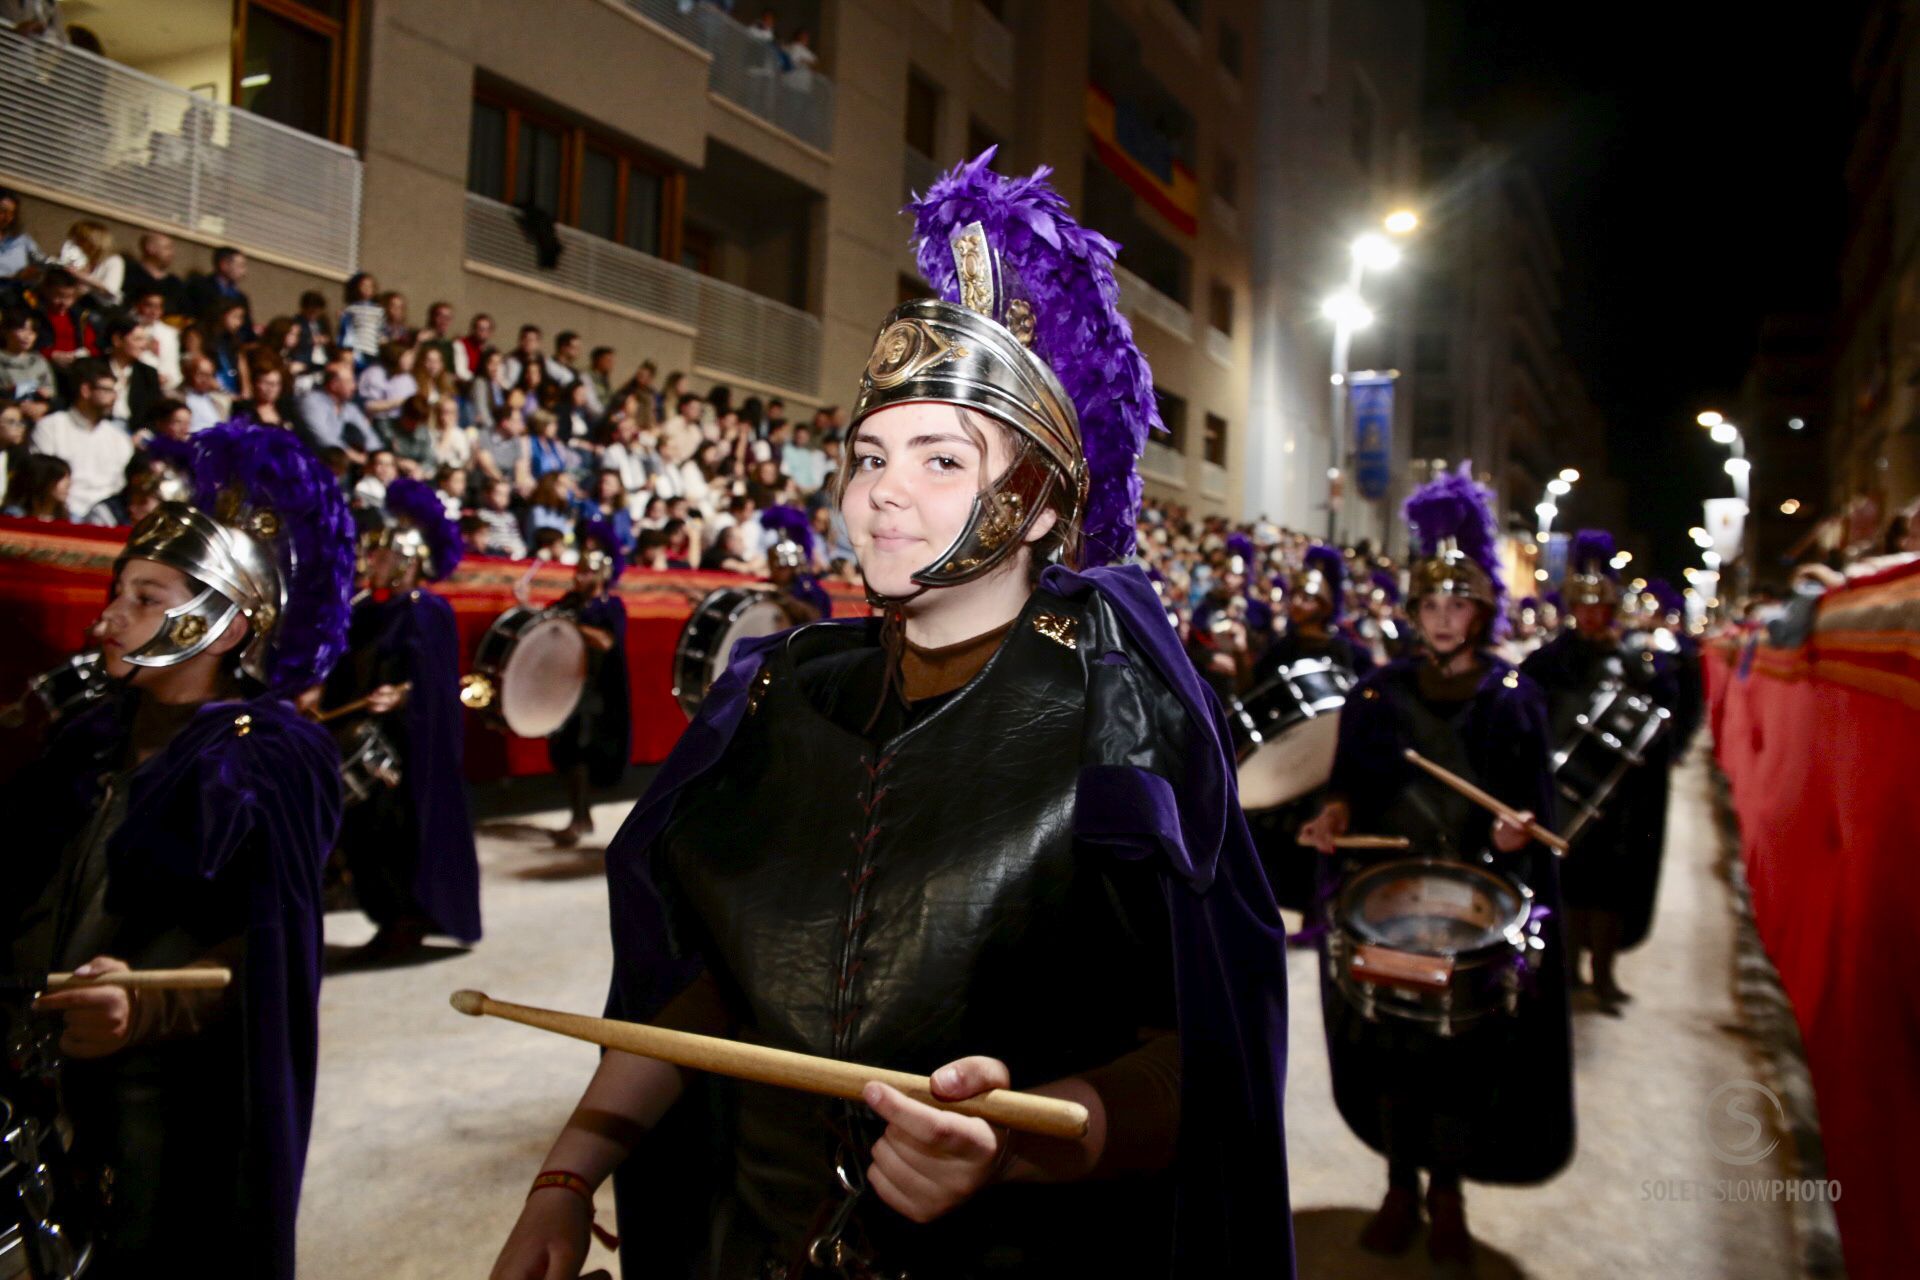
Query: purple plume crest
{"type": "Point", "coordinates": [1333, 567]}
{"type": "Point", "coordinates": [1066, 271]}
{"type": "Point", "coordinates": [1453, 505]}
{"type": "Point", "coordinates": [1666, 595]}
{"type": "Point", "coordinates": [792, 522]}
{"type": "Point", "coordinates": [1239, 544]}
{"type": "Point", "coordinates": [1592, 552]}
{"type": "Point", "coordinates": [1389, 582]}
{"type": "Point", "coordinates": [601, 533]}
{"type": "Point", "coordinates": [271, 468]}
{"type": "Point", "coordinates": [415, 502]}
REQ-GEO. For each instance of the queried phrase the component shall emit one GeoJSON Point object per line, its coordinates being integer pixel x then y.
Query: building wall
{"type": "Point", "coordinates": [1316, 60]}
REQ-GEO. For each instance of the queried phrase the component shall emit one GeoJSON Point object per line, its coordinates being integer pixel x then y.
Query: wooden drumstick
{"type": "Point", "coordinates": [1364, 842]}
{"type": "Point", "coordinates": [1488, 802]}
{"type": "Point", "coordinates": [830, 1077]}
{"type": "Point", "coordinates": [358, 704]}
{"type": "Point", "coordinates": [146, 980]}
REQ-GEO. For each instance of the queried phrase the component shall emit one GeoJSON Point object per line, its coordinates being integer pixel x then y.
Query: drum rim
{"type": "Point", "coordinates": [683, 652]}
{"type": "Point", "coordinates": [539, 618]}
{"type": "Point", "coordinates": [1511, 934]}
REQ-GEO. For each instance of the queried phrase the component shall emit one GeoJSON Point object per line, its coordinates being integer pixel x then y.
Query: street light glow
{"type": "Point", "coordinates": [1539, 575]}
{"type": "Point", "coordinates": [1711, 559]}
{"type": "Point", "coordinates": [1737, 467]}
{"type": "Point", "coordinates": [1710, 418]}
{"type": "Point", "coordinates": [1725, 433]}
{"type": "Point", "coordinates": [1559, 488]}
{"type": "Point", "coordinates": [1622, 559]}
{"type": "Point", "coordinates": [1796, 424]}
{"type": "Point", "coordinates": [1546, 511]}
{"type": "Point", "coordinates": [1569, 475]}
{"type": "Point", "coordinates": [1347, 310]}
{"type": "Point", "coordinates": [1401, 222]}
{"type": "Point", "coordinates": [1790, 506]}
{"type": "Point", "coordinates": [1696, 533]}
{"type": "Point", "coordinates": [1375, 253]}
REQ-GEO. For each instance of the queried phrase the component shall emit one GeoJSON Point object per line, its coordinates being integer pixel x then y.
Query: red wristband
{"type": "Point", "coordinates": [581, 1187]}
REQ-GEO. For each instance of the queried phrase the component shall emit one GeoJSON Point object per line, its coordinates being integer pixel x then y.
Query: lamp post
{"type": "Point", "coordinates": [1740, 470]}
{"type": "Point", "coordinates": [1349, 312]}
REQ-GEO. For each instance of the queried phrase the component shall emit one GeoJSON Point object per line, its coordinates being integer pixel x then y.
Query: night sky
{"type": "Point", "coordinates": [1691, 157]}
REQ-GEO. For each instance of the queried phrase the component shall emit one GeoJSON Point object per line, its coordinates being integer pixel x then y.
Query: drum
{"type": "Point", "coordinates": [528, 672]}
{"type": "Point", "coordinates": [367, 761]}
{"type": "Point", "coordinates": [37, 1240]}
{"type": "Point", "coordinates": [1438, 943]}
{"type": "Point", "coordinates": [1285, 731]}
{"type": "Point", "coordinates": [722, 619]}
{"type": "Point", "coordinates": [1610, 737]}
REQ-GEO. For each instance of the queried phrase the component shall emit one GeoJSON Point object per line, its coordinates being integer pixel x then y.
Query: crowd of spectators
{"type": "Point", "coordinates": [103, 350]}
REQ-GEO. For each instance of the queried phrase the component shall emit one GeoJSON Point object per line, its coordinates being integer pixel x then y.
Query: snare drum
{"type": "Point", "coordinates": [368, 761]}
{"type": "Point", "coordinates": [1609, 738]}
{"type": "Point", "coordinates": [37, 1242]}
{"type": "Point", "coordinates": [1438, 943]}
{"type": "Point", "coordinates": [72, 686]}
{"type": "Point", "coordinates": [1285, 732]}
{"type": "Point", "coordinates": [528, 672]}
{"type": "Point", "coordinates": [721, 620]}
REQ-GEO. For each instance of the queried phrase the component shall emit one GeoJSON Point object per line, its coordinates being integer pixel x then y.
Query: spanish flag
{"type": "Point", "coordinates": [1143, 162]}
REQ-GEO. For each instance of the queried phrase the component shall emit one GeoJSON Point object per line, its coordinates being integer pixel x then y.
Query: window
{"type": "Point", "coordinates": [1230, 50]}
{"type": "Point", "coordinates": [1430, 353]}
{"type": "Point", "coordinates": [517, 154]}
{"type": "Point", "coordinates": [1144, 251]}
{"type": "Point", "coordinates": [1215, 442]}
{"type": "Point", "coordinates": [923, 114]}
{"type": "Point", "coordinates": [1173, 412]}
{"type": "Point", "coordinates": [1226, 179]}
{"type": "Point", "coordinates": [1362, 126]}
{"type": "Point", "coordinates": [979, 138]}
{"type": "Point", "coordinates": [288, 63]}
{"type": "Point", "coordinates": [1220, 306]}
{"type": "Point", "coordinates": [1433, 427]}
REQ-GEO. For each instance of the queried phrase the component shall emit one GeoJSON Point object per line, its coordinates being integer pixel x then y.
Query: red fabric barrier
{"type": "Point", "coordinates": [53, 581]}
{"type": "Point", "coordinates": [1818, 747]}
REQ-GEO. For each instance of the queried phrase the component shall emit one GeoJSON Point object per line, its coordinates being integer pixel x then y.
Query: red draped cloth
{"type": "Point", "coordinates": [1819, 746]}
{"type": "Point", "coordinates": [54, 579]}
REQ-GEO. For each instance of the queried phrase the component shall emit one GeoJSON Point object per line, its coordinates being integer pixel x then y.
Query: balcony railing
{"type": "Point", "coordinates": [138, 148]}
{"type": "Point", "coordinates": [736, 332]}
{"type": "Point", "coordinates": [1139, 296]}
{"type": "Point", "coordinates": [992, 47]}
{"type": "Point", "coordinates": [1163, 463]}
{"type": "Point", "coordinates": [1220, 346]}
{"type": "Point", "coordinates": [1213, 480]}
{"type": "Point", "coordinates": [750, 72]}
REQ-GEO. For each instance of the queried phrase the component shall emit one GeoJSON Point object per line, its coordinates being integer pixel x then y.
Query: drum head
{"type": "Point", "coordinates": [542, 679]}
{"type": "Point", "coordinates": [720, 621]}
{"type": "Point", "coordinates": [1289, 766]}
{"type": "Point", "coordinates": [1432, 908]}
{"type": "Point", "coordinates": [761, 617]}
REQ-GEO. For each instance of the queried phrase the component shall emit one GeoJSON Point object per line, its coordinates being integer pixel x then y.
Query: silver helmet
{"type": "Point", "coordinates": [233, 562]}
{"type": "Point", "coordinates": [974, 355]}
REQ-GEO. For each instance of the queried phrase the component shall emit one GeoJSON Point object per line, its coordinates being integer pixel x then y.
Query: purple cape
{"type": "Point", "coordinates": [415, 632]}
{"type": "Point", "coordinates": [599, 734]}
{"type": "Point", "coordinates": [237, 813]}
{"type": "Point", "coordinates": [1231, 1214]}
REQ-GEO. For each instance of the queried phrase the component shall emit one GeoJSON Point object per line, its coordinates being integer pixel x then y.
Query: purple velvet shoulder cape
{"type": "Point", "coordinates": [243, 802]}
{"type": "Point", "coordinates": [419, 627]}
{"type": "Point", "coordinates": [1232, 1215]}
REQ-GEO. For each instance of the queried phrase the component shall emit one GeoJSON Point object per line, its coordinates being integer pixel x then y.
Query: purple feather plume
{"type": "Point", "coordinates": [1453, 505]}
{"type": "Point", "coordinates": [1592, 552]}
{"type": "Point", "coordinates": [416, 502]}
{"type": "Point", "coordinates": [1239, 544]}
{"type": "Point", "coordinates": [271, 468]}
{"type": "Point", "coordinates": [1666, 595]}
{"type": "Point", "coordinates": [1332, 567]}
{"type": "Point", "coordinates": [600, 533]}
{"type": "Point", "coordinates": [1389, 582]}
{"type": "Point", "coordinates": [1067, 272]}
{"type": "Point", "coordinates": [793, 522]}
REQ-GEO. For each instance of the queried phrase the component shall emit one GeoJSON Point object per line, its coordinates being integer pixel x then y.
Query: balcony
{"type": "Point", "coordinates": [992, 48]}
{"type": "Point", "coordinates": [121, 143]}
{"type": "Point", "coordinates": [1143, 299]}
{"type": "Point", "coordinates": [736, 333]}
{"type": "Point", "coordinates": [1213, 481]}
{"type": "Point", "coordinates": [748, 72]}
{"type": "Point", "coordinates": [1162, 462]}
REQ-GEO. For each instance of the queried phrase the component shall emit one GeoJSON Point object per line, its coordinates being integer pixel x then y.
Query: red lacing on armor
{"type": "Point", "coordinates": [858, 876]}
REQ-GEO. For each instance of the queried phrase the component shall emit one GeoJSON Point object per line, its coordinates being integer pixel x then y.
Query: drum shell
{"type": "Point", "coordinates": [1285, 732]}
{"type": "Point", "coordinates": [558, 690]}
{"type": "Point", "coordinates": [723, 616]}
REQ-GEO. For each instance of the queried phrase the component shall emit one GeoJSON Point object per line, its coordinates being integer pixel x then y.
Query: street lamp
{"type": "Point", "coordinates": [1569, 475]}
{"type": "Point", "coordinates": [1401, 222]}
{"type": "Point", "coordinates": [1375, 253]}
{"type": "Point", "coordinates": [1349, 312]}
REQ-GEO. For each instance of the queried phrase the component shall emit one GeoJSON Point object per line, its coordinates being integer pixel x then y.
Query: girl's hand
{"type": "Point", "coordinates": [930, 1162]}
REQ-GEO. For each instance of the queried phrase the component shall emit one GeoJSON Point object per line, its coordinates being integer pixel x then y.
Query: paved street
{"type": "Point", "coordinates": [430, 1125]}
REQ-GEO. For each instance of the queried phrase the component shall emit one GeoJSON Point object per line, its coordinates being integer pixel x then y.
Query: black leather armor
{"type": "Point", "coordinates": [906, 901]}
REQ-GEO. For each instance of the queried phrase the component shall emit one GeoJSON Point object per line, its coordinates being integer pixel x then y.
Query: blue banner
{"type": "Point", "coordinates": [1372, 400]}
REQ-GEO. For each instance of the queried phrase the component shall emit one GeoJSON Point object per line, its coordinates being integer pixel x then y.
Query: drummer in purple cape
{"type": "Point", "coordinates": [592, 749]}
{"type": "Point", "coordinates": [790, 566]}
{"type": "Point", "coordinates": [183, 820]}
{"type": "Point", "coordinates": [1613, 870]}
{"type": "Point", "coordinates": [988, 834]}
{"type": "Point", "coordinates": [407, 840]}
{"type": "Point", "coordinates": [1316, 621]}
{"type": "Point", "coordinates": [1382, 627]}
{"type": "Point", "coordinates": [1464, 1067]}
